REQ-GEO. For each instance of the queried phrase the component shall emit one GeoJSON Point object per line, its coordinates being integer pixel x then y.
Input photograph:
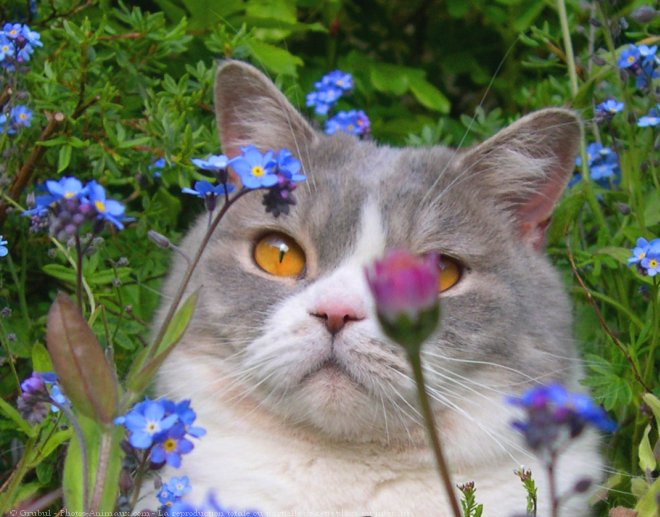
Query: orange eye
{"type": "Point", "coordinates": [279, 255]}
{"type": "Point", "coordinates": [450, 272]}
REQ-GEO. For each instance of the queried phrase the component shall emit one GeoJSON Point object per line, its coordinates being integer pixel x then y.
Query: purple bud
{"type": "Point", "coordinates": [644, 14]}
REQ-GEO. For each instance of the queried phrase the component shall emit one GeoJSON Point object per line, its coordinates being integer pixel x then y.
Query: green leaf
{"type": "Point", "coordinates": [12, 413]}
{"type": "Point", "coordinates": [140, 375]}
{"type": "Point", "coordinates": [654, 403]}
{"type": "Point", "coordinates": [66, 274]}
{"type": "Point", "coordinates": [647, 506]}
{"type": "Point", "coordinates": [40, 359]}
{"type": "Point", "coordinates": [64, 158]}
{"type": "Point", "coordinates": [428, 95]}
{"type": "Point", "coordinates": [99, 440]}
{"type": "Point", "coordinates": [388, 78]}
{"type": "Point", "coordinates": [53, 442]}
{"type": "Point", "coordinates": [646, 457]}
{"type": "Point", "coordinates": [275, 59]}
{"type": "Point", "coordinates": [619, 254]}
{"type": "Point", "coordinates": [80, 363]}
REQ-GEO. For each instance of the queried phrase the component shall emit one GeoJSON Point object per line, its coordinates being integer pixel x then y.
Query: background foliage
{"type": "Point", "coordinates": [132, 82]}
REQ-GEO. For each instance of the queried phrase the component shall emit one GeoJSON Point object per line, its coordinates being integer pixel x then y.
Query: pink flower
{"type": "Point", "coordinates": [405, 288]}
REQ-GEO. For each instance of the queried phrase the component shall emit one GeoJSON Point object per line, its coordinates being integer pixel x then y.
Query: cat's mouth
{"type": "Point", "coordinates": [332, 371]}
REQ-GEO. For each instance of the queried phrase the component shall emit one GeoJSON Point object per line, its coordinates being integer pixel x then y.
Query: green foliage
{"type": "Point", "coordinates": [118, 85]}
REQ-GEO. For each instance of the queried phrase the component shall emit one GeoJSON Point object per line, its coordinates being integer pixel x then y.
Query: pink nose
{"type": "Point", "coordinates": [335, 316]}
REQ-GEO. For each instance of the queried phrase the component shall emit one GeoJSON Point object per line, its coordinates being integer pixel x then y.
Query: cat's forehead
{"type": "Point", "coordinates": [413, 198]}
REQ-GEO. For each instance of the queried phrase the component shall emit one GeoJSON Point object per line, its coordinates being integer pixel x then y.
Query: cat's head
{"type": "Point", "coordinates": [305, 345]}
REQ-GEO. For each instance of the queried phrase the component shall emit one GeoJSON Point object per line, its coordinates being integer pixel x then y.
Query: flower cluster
{"type": "Point", "coordinates": [554, 415]}
{"type": "Point", "coordinates": [328, 91]}
{"type": "Point", "coordinates": [38, 392]}
{"type": "Point", "coordinates": [603, 164]}
{"type": "Point", "coordinates": [640, 62]}
{"type": "Point", "coordinates": [161, 427]}
{"type": "Point", "coordinates": [277, 172]}
{"type": "Point", "coordinates": [68, 205]}
{"type": "Point", "coordinates": [353, 122]}
{"type": "Point", "coordinates": [17, 44]}
{"type": "Point", "coordinates": [210, 507]}
{"type": "Point", "coordinates": [172, 491]}
{"type": "Point", "coordinates": [646, 256]}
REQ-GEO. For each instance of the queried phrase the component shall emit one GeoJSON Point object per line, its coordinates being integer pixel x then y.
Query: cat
{"type": "Point", "coordinates": [309, 409]}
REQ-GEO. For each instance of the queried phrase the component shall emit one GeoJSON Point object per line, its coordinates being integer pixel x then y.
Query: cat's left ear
{"type": "Point", "coordinates": [527, 166]}
{"type": "Point", "coordinates": [250, 110]}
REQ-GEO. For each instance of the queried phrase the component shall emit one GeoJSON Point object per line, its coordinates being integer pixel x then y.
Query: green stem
{"type": "Point", "coordinates": [102, 470]}
{"type": "Point", "coordinates": [83, 450]}
{"type": "Point", "coordinates": [443, 469]}
{"type": "Point", "coordinates": [568, 47]}
{"type": "Point", "coordinates": [650, 362]}
{"type": "Point", "coordinates": [79, 273]}
{"type": "Point", "coordinates": [10, 358]}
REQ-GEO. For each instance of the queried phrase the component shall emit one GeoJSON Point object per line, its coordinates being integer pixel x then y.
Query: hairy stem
{"type": "Point", "coordinates": [443, 469]}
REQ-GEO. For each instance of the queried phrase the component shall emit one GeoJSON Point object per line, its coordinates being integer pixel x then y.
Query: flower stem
{"type": "Point", "coordinates": [188, 274]}
{"type": "Point", "coordinates": [79, 274]}
{"type": "Point", "coordinates": [552, 484]}
{"type": "Point", "coordinates": [416, 363]}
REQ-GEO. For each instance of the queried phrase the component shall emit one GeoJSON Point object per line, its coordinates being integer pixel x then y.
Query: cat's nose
{"type": "Point", "coordinates": [336, 316]}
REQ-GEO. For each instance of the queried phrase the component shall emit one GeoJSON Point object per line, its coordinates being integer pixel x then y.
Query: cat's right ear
{"type": "Point", "coordinates": [250, 110]}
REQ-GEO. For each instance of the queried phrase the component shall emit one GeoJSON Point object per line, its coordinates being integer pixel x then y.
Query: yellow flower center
{"type": "Point", "coordinates": [22, 116]}
{"type": "Point", "coordinates": [631, 59]}
{"type": "Point", "coordinates": [169, 445]}
{"type": "Point", "coordinates": [5, 48]}
{"type": "Point", "coordinates": [13, 32]}
{"type": "Point", "coordinates": [69, 195]}
{"type": "Point", "coordinates": [351, 127]}
{"type": "Point", "coordinates": [100, 206]}
{"type": "Point", "coordinates": [151, 427]}
{"type": "Point", "coordinates": [653, 263]}
{"type": "Point", "coordinates": [642, 255]}
{"type": "Point", "coordinates": [258, 170]}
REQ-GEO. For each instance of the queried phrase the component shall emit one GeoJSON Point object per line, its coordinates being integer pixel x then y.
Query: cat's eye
{"type": "Point", "coordinates": [279, 255]}
{"type": "Point", "coordinates": [450, 272]}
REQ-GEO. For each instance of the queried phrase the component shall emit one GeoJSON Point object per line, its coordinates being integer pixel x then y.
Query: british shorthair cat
{"type": "Point", "coordinates": [309, 408]}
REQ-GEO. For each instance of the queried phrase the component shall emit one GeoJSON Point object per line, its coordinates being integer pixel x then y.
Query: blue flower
{"type": "Point", "coordinates": [170, 447]}
{"type": "Point", "coordinates": [6, 48]}
{"type": "Point", "coordinates": [106, 209]}
{"type": "Point", "coordinates": [554, 414]}
{"type": "Point", "coordinates": [21, 116]}
{"type": "Point", "coordinates": [646, 256]}
{"type": "Point", "coordinates": [607, 109]}
{"type": "Point", "coordinates": [186, 416]}
{"type": "Point", "coordinates": [651, 119]}
{"type": "Point", "coordinates": [156, 166]}
{"type": "Point", "coordinates": [210, 507]}
{"type": "Point", "coordinates": [179, 486]}
{"type": "Point", "coordinates": [352, 122]}
{"type": "Point", "coordinates": [3, 247]}
{"type": "Point", "coordinates": [33, 38]}
{"type": "Point", "coordinates": [603, 164]}
{"type": "Point", "coordinates": [256, 170]}
{"type": "Point", "coordinates": [12, 30]}
{"type": "Point", "coordinates": [651, 265]}
{"type": "Point", "coordinates": [335, 79]}
{"type": "Point", "coordinates": [37, 393]}
{"type": "Point", "coordinates": [629, 57]}
{"type": "Point", "coordinates": [146, 421]}
{"type": "Point", "coordinates": [322, 100]}
{"type": "Point", "coordinates": [208, 192]}
{"type": "Point", "coordinates": [289, 166]}
{"type": "Point", "coordinates": [214, 163]}
{"type": "Point", "coordinates": [66, 188]}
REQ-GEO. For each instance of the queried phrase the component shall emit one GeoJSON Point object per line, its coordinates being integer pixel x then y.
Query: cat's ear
{"type": "Point", "coordinates": [250, 110]}
{"type": "Point", "coordinates": [527, 166]}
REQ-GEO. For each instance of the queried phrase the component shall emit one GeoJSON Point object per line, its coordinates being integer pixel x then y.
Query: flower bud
{"type": "Point", "coordinates": [405, 289]}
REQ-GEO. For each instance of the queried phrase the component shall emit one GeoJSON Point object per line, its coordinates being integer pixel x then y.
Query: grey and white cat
{"type": "Point", "coordinates": [308, 407]}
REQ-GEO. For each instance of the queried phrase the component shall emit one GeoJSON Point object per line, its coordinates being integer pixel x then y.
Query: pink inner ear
{"type": "Point", "coordinates": [533, 214]}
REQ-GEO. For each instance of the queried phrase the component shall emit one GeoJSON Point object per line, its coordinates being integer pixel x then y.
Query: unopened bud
{"type": "Point", "coordinates": [159, 240]}
{"type": "Point", "coordinates": [644, 14]}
